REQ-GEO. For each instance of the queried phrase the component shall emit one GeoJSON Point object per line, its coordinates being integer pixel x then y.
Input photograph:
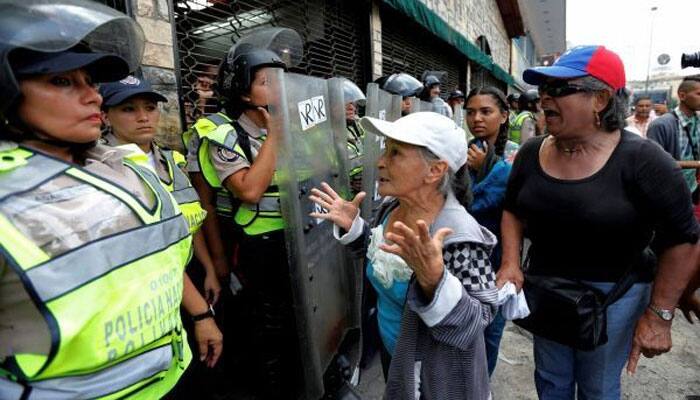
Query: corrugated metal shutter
{"type": "Point", "coordinates": [335, 32]}
{"type": "Point", "coordinates": [410, 48]}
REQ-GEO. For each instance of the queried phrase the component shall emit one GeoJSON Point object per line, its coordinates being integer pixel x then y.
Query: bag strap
{"type": "Point", "coordinates": [243, 141]}
{"type": "Point", "coordinates": [625, 282]}
{"type": "Point", "coordinates": [621, 286]}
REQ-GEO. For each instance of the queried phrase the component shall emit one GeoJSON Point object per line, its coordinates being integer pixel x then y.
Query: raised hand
{"type": "Point", "coordinates": [422, 253]}
{"type": "Point", "coordinates": [341, 212]}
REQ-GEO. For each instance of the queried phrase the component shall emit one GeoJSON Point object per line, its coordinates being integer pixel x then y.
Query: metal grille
{"type": "Point", "coordinates": [410, 48]}
{"type": "Point", "coordinates": [335, 33]}
{"type": "Point", "coordinates": [119, 5]}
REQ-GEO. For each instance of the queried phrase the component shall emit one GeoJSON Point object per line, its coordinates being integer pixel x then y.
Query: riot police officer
{"type": "Point", "coordinates": [237, 155]}
{"type": "Point", "coordinates": [93, 248]}
{"type": "Point", "coordinates": [431, 93]}
{"type": "Point", "coordinates": [354, 98]}
{"type": "Point", "coordinates": [524, 126]}
{"type": "Point", "coordinates": [403, 85]}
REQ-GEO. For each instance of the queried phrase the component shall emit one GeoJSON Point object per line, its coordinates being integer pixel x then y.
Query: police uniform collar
{"type": "Point", "coordinates": [249, 126]}
{"type": "Point", "coordinates": [110, 139]}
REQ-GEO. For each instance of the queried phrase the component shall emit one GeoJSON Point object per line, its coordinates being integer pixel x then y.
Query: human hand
{"type": "Point", "coordinates": [341, 212]}
{"type": "Point", "coordinates": [652, 337]}
{"type": "Point", "coordinates": [689, 304]}
{"type": "Point", "coordinates": [422, 253]}
{"type": "Point", "coordinates": [510, 274]}
{"type": "Point", "coordinates": [210, 341]}
{"type": "Point", "coordinates": [476, 156]}
{"type": "Point", "coordinates": [220, 267]}
{"type": "Point", "coordinates": [212, 289]}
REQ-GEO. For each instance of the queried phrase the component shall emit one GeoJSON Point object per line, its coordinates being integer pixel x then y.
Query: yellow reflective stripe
{"type": "Point", "coordinates": [14, 158]}
{"type": "Point", "coordinates": [31, 364]}
{"type": "Point", "coordinates": [195, 215]}
{"type": "Point", "coordinates": [119, 193]}
{"type": "Point", "coordinates": [179, 158]}
{"type": "Point", "coordinates": [206, 166]}
{"type": "Point", "coordinates": [20, 248]}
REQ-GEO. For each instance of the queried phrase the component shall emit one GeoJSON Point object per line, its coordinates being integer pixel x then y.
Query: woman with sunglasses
{"type": "Point", "coordinates": [592, 198]}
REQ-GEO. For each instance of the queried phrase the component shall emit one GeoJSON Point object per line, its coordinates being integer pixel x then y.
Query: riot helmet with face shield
{"type": "Point", "coordinates": [267, 47]}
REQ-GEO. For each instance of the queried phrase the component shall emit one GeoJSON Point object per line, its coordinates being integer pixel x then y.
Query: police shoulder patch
{"type": "Point", "coordinates": [226, 154]}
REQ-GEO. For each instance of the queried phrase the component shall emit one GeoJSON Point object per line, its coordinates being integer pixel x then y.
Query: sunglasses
{"type": "Point", "coordinates": [560, 89]}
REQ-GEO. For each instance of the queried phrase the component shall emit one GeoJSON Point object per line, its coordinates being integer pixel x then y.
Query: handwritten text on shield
{"type": "Point", "coordinates": [312, 112]}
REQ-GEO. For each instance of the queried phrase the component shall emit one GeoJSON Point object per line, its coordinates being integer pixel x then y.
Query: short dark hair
{"type": "Point", "coordinates": [688, 82]}
{"type": "Point", "coordinates": [642, 97]}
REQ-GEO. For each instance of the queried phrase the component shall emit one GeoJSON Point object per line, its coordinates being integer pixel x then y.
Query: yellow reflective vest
{"type": "Point", "coordinates": [254, 219]}
{"type": "Point", "coordinates": [515, 132]}
{"type": "Point", "coordinates": [182, 191]}
{"type": "Point", "coordinates": [112, 305]}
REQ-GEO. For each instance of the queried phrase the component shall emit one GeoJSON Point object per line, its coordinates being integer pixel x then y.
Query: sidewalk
{"type": "Point", "coordinates": [672, 376]}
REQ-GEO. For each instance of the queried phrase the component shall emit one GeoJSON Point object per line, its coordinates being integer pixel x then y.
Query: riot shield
{"type": "Point", "coordinates": [420, 105]}
{"type": "Point", "coordinates": [321, 290]}
{"type": "Point", "coordinates": [385, 106]}
{"type": "Point", "coordinates": [458, 115]}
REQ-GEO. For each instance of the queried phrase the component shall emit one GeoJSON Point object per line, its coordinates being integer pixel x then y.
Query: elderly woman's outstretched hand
{"type": "Point", "coordinates": [340, 211]}
{"type": "Point", "coordinates": [422, 253]}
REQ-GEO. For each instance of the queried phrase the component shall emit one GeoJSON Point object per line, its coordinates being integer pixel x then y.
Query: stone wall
{"type": "Point", "coordinates": [475, 18]}
{"type": "Point", "coordinates": [159, 65]}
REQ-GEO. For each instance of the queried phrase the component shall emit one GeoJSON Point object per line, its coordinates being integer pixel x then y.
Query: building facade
{"type": "Point", "coordinates": [471, 41]}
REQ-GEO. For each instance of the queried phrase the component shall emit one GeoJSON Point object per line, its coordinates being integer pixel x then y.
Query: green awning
{"type": "Point", "coordinates": [432, 22]}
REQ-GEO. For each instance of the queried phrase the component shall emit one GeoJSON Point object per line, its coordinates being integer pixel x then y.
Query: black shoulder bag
{"type": "Point", "coordinates": [570, 312]}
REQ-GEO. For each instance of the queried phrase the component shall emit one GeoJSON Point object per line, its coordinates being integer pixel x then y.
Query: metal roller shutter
{"type": "Point", "coordinates": [335, 33]}
{"type": "Point", "coordinates": [410, 48]}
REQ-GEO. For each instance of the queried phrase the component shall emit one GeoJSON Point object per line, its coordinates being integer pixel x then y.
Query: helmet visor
{"type": "Point", "coordinates": [57, 25]}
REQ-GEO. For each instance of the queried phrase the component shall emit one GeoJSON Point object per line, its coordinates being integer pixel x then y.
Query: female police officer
{"type": "Point", "coordinates": [93, 248]}
{"type": "Point", "coordinates": [131, 114]}
{"type": "Point", "coordinates": [237, 156]}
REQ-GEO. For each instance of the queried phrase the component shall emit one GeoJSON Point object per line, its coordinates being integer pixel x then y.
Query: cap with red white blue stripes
{"type": "Point", "coordinates": [595, 61]}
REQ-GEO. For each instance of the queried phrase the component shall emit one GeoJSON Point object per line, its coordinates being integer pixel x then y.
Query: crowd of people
{"type": "Point", "coordinates": [554, 208]}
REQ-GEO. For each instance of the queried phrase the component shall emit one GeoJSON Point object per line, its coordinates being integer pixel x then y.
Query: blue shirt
{"type": "Point", "coordinates": [390, 303]}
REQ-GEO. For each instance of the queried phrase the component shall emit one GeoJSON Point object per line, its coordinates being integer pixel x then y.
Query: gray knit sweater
{"type": "Point", "coordinates": [440, 353]}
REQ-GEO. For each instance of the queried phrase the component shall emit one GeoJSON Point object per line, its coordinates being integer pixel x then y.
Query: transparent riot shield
{"type": "Point", "coordinates": [420, 105]}
{"type": "Point", "coordinates": [458, 115]}
{"type": "Point", "coordinates": [385, 106]}
{"type": "Point", "coordinates": [322, 294]}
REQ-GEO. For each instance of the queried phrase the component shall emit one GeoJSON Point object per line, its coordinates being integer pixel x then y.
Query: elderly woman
{"type": "Point", "coordinates": [592, 197]}
{"type": "Point", "coordinates": [427, 259]}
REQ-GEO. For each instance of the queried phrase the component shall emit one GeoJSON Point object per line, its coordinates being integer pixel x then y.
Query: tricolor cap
{"type": "Point", "coordinates": [596, 61]}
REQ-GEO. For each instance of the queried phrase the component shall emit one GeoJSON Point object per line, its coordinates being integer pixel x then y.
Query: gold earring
{"type": "Point", "coordinates": [597, 119]}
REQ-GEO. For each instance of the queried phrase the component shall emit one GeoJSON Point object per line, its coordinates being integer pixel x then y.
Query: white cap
{"type": "Point", "coordinates": [439, 134]}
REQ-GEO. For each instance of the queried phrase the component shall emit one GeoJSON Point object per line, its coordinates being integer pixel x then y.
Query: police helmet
{"type": "Point", "coordinates": [52, 36]}
{"type": "Point", "coordinates": [352, 93]}
{"type": "Point", "coordinates": [528, 100]}
{"type": "Point", "coordinates": [456, 94]}
{"type": "Point", "coordinates": [430, 81]}
{"type": "Point", "coordinates": [513, 97]}
{"type": "Point", "coordinates": [268, 47]}
{"type": "Point", "coordinates": [401, 84]}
